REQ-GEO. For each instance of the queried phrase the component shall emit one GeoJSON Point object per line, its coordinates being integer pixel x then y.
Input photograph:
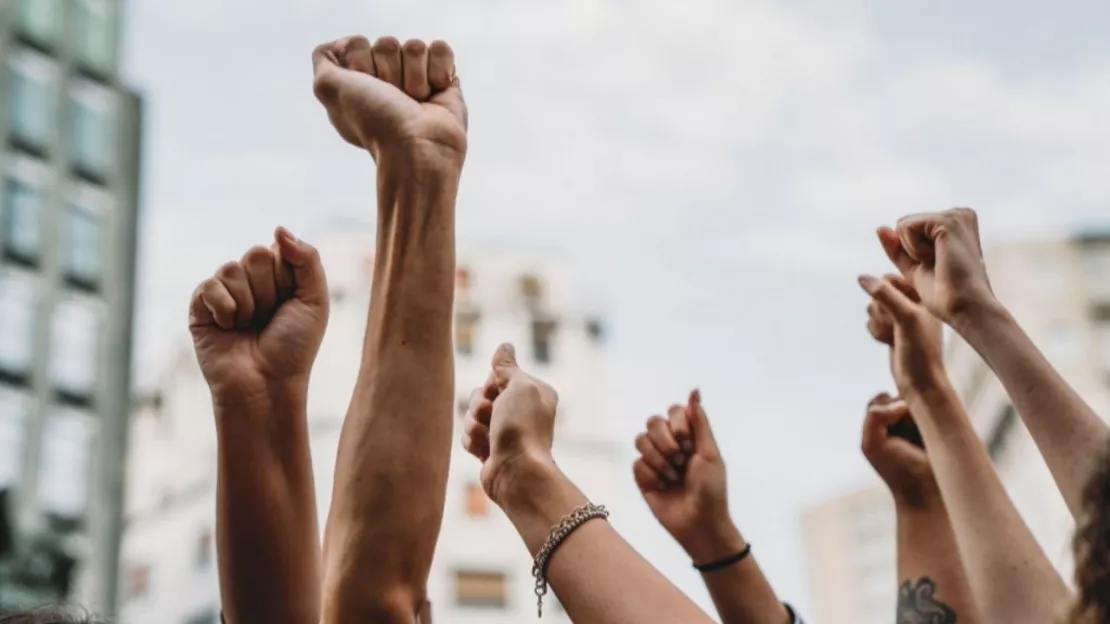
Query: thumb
{"type": "Point", "coordinates": [504, 365]}
{"type": "Point", "coordinates": [879, 418]}
{"type": "Point", "coordinates": [700, 431]}
{"type": "Point", "coordinates": [310, 285]}
{"type": "Point", "coordinates": [888, 296]}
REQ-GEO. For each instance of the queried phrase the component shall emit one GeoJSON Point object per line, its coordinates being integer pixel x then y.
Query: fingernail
{"type": "Point", "coordinates": [867, 282]}
{"type": "Point", "coordinates": [288, 236]}
{"type": "Point", "coordinates": [672, 475]}
{"type": "Point", "coordinates": [687, 447]}
{"type": "Point", "coordinates": [679, 460]}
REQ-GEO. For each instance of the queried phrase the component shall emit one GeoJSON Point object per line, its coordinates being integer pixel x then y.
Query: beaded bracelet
{"type": "Point", "coordinates": [581, 515]}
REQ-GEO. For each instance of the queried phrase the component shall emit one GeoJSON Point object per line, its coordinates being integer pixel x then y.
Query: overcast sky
{"type": "Point", "coordinates": [712, 172]}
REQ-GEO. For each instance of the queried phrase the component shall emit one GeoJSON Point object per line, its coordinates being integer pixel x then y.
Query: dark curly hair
{"type": "Point", "coordinates": [50, 615]}
{"type": "Point", "coordinates": [1091, 546]}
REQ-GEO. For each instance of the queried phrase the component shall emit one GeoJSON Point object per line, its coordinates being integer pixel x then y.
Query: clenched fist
{"type": "Point", "coordinates": [901, 463]}
{"type": "Point", "coordinates": [897, 317]}
{"type": "Point", "coordinates": [259, 321]}
{"type": "Point", "coordinates": [941, 257]}
{"type": "Point", "coordinates": [681, 475]}
{"type": "Point", "coordinates": [510, 423]}
{"type": "Point", "coordinates": [385, 95]}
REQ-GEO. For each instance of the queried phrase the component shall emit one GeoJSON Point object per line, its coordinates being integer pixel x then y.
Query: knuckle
{"type": "Point", "coordinates": [258, 256]}
{"type": "Point", "coordinates": [655, 421]}
{"type": "Point", "coordinates": [530, 389]}
{"type": "Point", "coordinates": [324, 87]}
{"type": "Point", "coordinates": [324, 50]}
{"type": "Point", "coordinates": [230, 270]}
{"type": "Point", "coordinates": [357, 42]}
{"type": "Point", "coordinates": [387, 45]}
{"type": "Point", "coordinates": [415, 47]}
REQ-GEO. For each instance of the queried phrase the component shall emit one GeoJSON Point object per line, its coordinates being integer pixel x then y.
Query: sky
{"type": "Point", "coordinates": [711, 172]}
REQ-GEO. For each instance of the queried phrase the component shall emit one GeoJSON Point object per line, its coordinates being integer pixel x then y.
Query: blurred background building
{"type": "Point", "coordinates": [69, 160]}
{"type": "Point", "coordinates": [482, 572]}
{"type": "Point", "coordinates": [850, 552]}
{"type": "Point", "coordinates": [1059, 290]}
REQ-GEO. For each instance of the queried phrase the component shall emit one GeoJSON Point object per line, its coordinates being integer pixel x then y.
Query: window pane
{"type": "Point", "coordinates": [13, 407]}
{"type": "Point", "coordinates": [477, 504]}
{"type": "Point", "coordinates": [66, 463]}
{"type": "Point", "coordinates": [90, 134]}
{"type": "Point", "coordinates": [32, 105]}
{"type": "Point", "coordinates": [23, 208]}
{"type": "Point", "coordinates": [466, 325]}
{"type": "Point", "coordinates": [480, 589]}
{"type": "Point", "coordinates": [18, 300]}
{"type": "Point", "coordinates": [96, 41]}
{"type": "Point", "coordinates": [39, 18]}
{"type": "Point", "coordinates": [543, 332]}
{"type": "Point", "coordinates": [81, 243]}
{"type": "Point", "coordinates": [74, 347]}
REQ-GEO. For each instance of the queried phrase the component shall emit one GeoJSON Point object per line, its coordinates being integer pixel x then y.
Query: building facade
{"type": "Point", "coordinates": [482, 572]}
{"type": "Point", "coordinates": [851, 557]}
{"type": "Point", "coordinates": [1060, 293]}
{"type": "Point", "coordinates": [69, 163]}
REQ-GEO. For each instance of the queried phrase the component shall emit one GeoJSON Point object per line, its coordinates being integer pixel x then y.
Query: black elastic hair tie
{"type": "Point", "coordinates": [726, 562]}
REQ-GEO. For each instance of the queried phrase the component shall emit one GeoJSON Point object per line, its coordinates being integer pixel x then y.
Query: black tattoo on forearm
{"type": "Point", "coordinates": [916, 604]}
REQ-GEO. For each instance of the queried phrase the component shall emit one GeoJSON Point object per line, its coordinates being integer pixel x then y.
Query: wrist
{"type": "Point", "coordinates": [265, 398]}
{"type": "Point", "coordinates": [417, 160]}
{"type": "Point", "coordinates": [713, 540]}
{"type": "Point", "coordinates": [930, 386]}
{"type": "Point", "coordinates": [515, 482]}
{"type": "Point", "coordinates": [969, 318]}
{"type": "Point", "coordinates": [916, 498]}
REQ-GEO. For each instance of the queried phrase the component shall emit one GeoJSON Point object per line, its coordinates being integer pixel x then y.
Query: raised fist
{"type": "Point", "coordinates": [941, 256]}
{"type": "Point", "coordinates": [900, 462]}
{"type": "Point", "coordinates": [897, 317]}
{"type": "Point", "coordinates": [387, 95]}
{"type": "Point", "coordinates": [510, 422]}
{"type": "Point", "coordinates": [258, 322]}
{"type": "Point", "coordinates": [681, 475]}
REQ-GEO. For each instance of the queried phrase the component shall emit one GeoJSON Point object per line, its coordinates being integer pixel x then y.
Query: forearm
{"type": "Point", "coordinates": [740, 592]}
{"type": "Point", "coordinates": [394, 448]}
{"type": "Point", "coordinates": [266, 529]}
{"type": "Point", "coordinates": [1068, 433]}
{"type": "Point", "coordinates": [932, 582]}
{"type": "Point", "coordinates": [594, 571]}
{"type": "Point", "coordinates": [1008, 573]}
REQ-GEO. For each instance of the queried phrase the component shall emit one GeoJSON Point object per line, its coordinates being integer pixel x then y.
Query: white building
{"type": "Point", "coordinates": [1060, 293]}
{"type": "Point", "coordinates": [482, 571]}
{"type": "Point", "coordinates": [851, 557]}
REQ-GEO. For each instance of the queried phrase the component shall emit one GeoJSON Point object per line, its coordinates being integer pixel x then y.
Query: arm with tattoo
{"type": "Point", "coordinates": [1009, 575]}
{"type": "Point", "coordinates": [933, 586]}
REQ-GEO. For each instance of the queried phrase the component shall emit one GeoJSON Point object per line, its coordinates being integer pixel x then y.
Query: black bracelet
{"type": "Point", "coordinates": [726, 562]}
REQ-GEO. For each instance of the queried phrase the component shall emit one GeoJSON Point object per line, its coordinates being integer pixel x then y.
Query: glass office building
{"type": "Point", "coordinates": [69, 173]}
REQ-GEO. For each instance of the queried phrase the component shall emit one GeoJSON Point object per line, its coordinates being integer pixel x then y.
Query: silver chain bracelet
{"type": "Point", "coordinates": [581, 515]}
